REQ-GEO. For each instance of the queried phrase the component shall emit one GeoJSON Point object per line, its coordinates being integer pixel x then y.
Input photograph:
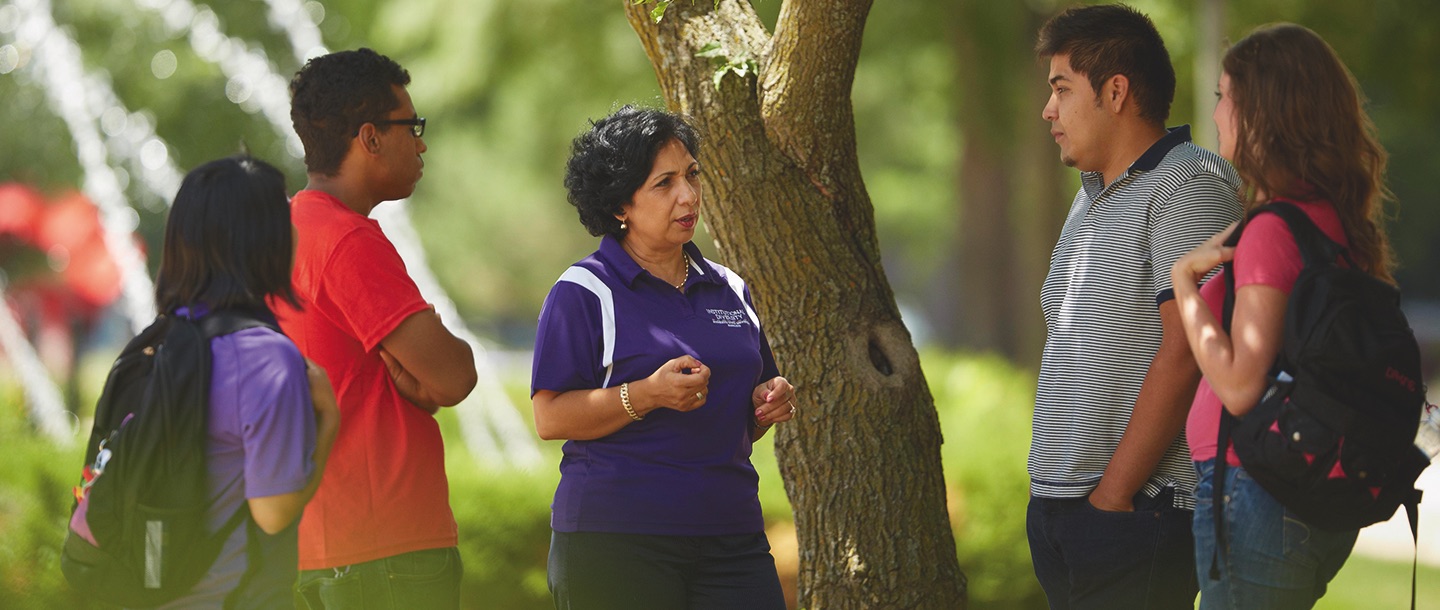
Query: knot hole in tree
{"type": "Point", "coordinates": [878, 358]}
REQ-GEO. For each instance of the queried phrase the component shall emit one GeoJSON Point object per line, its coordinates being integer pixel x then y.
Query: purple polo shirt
{"type": "Point", "coordinates": [609, 321]}
{"type": "Point", "coordinates": [262, 439]}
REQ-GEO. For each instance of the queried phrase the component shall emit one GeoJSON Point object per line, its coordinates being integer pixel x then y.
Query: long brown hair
{"type": "Point", "coordinates": [1302, 131]}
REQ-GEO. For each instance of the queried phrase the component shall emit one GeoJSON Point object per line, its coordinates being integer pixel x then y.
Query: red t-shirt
{"type": "Point", "coordinates": [384, 491]}
{"type": "Point", "coordinates": [1266, 255]}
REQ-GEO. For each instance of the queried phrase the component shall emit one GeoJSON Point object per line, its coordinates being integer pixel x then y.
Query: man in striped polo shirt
{"type": "Point", "coordinates": [1110, 479]}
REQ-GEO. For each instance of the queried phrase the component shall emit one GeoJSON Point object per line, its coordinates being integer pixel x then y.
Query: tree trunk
{"type": "Point", "coordinates": [786, 205]}
{"type": "Point", "coordinates": [1010, 199]}
{"type": "Point", "coordinates": [1209, 35]}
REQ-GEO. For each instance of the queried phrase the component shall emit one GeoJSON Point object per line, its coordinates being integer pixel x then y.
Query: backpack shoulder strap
{"type": "Point", "coordinates": [1316, 248]}
{"type": "Point", "coordinates": [229, 321]}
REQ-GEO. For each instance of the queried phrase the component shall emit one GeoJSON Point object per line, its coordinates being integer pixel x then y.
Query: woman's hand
{"type": "Point", "coordinates": [681, 384]}
{"type": "Point", "coordinates": [1187, 271]}
{"type": "Point", "coordinates": [774, 401]}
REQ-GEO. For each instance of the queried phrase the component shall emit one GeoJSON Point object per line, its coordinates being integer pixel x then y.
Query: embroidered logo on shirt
{"type": "Point", "coordinates": [733, 319]}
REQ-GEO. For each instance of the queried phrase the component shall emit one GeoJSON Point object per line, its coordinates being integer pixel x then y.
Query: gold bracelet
{"type": "Point", "coordinates": [625, 402]}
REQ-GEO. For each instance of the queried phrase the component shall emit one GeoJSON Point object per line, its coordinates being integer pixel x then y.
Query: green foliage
{"type": "Point", "coordinates": [741, 65]}
{"type": "Point", "coordinates": [506, 85]}
{"type": "Point", "coordinates": [504, 521]}
{"type": "Point", "coordinates": [1366, 582]}
{"type": "Point", "coordinates": [35, 505]}
{"type": "Point", "coordinates": [984, 405]}
{"type": "Point", "coordinates": [658, 12]}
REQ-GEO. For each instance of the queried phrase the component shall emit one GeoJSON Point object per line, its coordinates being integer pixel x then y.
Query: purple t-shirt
{"type": "Point", "coordinates": [262, 440]}
{"type": "Point", "coordinates": [609, 321]}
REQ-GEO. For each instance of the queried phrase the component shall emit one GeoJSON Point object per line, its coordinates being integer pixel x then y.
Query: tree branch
{"type": "Point", "coordinates": [812, 58]}
{"type": "Point", "coordinates": [731, 31]}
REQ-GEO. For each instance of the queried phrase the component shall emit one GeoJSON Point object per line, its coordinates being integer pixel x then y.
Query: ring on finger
{"type": "Point", "coordinates": [699, 396]}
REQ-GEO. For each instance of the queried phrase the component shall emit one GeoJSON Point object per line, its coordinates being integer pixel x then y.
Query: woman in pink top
{"type": "Point", "coordinates": [1291, 120]}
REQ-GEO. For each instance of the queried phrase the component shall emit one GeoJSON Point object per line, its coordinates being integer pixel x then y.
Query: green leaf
{"type": "Point", "coordinates": [711, 50]}
{"type": "Point", "coordinates": [658, 12]}
{"type": "Point", "coordinates": [719, 76]}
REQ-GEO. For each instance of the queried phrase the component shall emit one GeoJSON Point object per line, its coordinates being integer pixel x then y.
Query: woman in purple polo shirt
{"type": "Point", "coordinates": [651, 363]}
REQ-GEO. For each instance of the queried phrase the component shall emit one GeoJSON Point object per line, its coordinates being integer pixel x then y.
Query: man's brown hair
{"type": "Point", "coordinates": [1105, 40]}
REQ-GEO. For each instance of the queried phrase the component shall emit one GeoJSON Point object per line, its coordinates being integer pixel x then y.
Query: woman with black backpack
{"type": "Point", "coordinates": [186, 507]}
{"type": "Point", "coordinates": [273, 415]}
{"type": "Point", "coordinates": [1291, 120]}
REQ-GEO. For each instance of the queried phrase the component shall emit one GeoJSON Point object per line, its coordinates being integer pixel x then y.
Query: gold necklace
{"type": "Point", "coordinates": [686, 258]}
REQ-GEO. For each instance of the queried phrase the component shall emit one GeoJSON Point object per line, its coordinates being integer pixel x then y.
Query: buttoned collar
{"type": "Point", "coordinates": [626, 269]}
{"type": "Point", "coordinates": [1094, 182]}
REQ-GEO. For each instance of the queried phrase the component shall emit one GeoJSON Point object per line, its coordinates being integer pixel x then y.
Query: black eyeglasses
{"type": "Point", "coordinates": [417, 124]}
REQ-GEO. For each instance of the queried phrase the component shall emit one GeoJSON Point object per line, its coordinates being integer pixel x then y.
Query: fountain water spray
{"type": "Point", "coordinates": [57, 63]}
{"type": "Point", "coordinates": [47, 409]}
{"type": "Point", "coordinates": [254, 85]}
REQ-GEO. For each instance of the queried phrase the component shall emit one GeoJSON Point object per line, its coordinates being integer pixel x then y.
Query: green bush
{"type": "Point", "coordinates": [35, 502]}
{"type": "Point", "coordinates": [504, 515]}
{"type": "Point", "coordinates": [985, 405]}
{"type": "Point", "coordinates": [504, 520]}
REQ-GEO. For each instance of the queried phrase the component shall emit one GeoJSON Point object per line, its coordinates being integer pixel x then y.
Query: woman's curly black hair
{"type": "Point", "coordinates": [611, 161]}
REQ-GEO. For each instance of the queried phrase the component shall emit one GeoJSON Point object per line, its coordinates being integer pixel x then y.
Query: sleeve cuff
{"type": "Point", "coordinates": [1161, 297]}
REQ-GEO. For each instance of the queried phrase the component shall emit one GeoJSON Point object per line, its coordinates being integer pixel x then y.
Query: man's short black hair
{"type": "Point", "coordinates": [611, 161]}
{"type": "Point", "coordinates": [333, 95]}
{"type": "Point", "coordinates": [1105, 40]}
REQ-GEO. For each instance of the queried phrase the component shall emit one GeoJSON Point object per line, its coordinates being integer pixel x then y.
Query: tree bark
{"type": "Point", "coordinates": [788, 210]}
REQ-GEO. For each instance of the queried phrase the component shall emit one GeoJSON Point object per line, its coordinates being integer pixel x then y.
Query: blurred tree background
{"type": "Point", "coordinates": [967, 188]}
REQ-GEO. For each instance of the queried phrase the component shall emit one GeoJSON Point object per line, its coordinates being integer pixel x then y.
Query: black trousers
{"type": "Point", "coordinates": [603, 571]}
{"type": "Point", "coordinates": [1089, 559]}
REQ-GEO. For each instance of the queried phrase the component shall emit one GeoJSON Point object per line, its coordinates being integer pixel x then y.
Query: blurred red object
{"type": "Point", "coordinates": [68, 231]}
{"type": "Point", "coordinates": [58, 273]}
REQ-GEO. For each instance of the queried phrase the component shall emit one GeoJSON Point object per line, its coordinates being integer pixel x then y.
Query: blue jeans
{"type": "Point", "coordinates": [605, 571]}
{"type": "Point", "coordinates": [1271, 559]}
{"type": "Point", "coordinates": [419, 580]}
{"type": "Point", "coordinates": [1089, 558]}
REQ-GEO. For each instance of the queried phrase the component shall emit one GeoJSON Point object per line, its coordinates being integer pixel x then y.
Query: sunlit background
{"type": "Point", "coordinates": [104, 104]}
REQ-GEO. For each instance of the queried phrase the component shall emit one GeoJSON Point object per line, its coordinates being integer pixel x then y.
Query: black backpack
{"type": "Point", "coordinates": [145, 488]}
{"type": "Point", "coordinates": [1332, 438]}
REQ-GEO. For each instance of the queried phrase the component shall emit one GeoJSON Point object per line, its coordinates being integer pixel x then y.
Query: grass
{"type": "Point", "coordinates": [1366, 583]}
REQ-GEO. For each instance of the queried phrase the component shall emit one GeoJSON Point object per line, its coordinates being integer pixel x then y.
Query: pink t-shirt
{"type": "Point", "coordinates": [1266, 255]}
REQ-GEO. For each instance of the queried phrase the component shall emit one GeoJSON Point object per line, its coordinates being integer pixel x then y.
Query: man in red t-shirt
{"type": "Point", "coordinates": [379, 533]}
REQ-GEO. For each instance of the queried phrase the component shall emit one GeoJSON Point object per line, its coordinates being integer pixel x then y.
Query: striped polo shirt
{"type": "Point", "coordinates": [1108, 275]}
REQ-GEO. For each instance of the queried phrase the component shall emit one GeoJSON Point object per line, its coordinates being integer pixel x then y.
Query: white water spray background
{"type": "Point", "coordinates": [89, 106]}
